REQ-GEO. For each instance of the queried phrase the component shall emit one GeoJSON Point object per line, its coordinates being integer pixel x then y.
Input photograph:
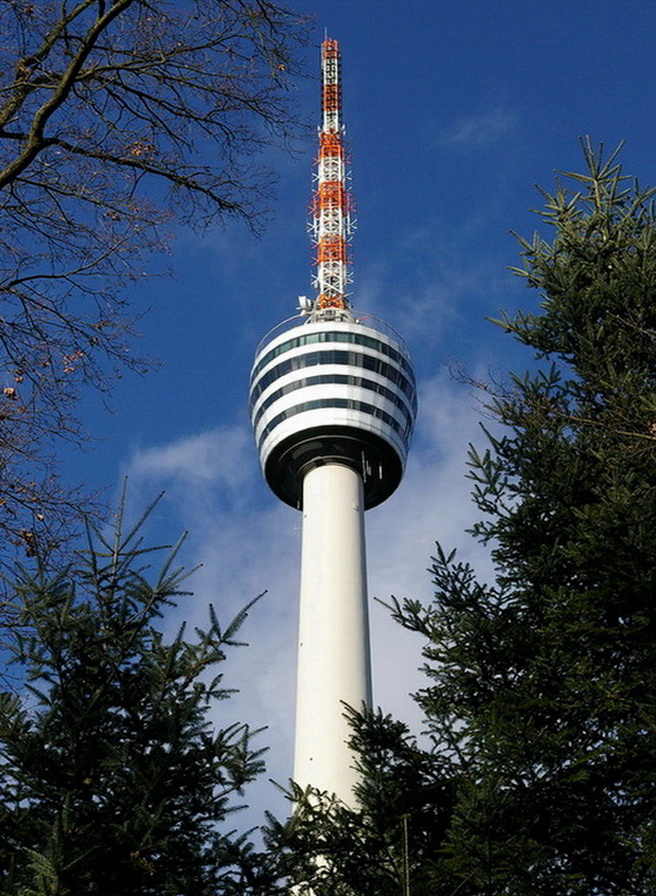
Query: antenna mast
{"type": "Point", "coordinates": [331, 225]}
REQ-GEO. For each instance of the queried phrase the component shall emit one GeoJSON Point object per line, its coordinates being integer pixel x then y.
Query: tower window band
{"type": "Point", "coordinates": [348, 403]}
{"type": "Point", "coordinates": [333, 336]}
{"type": "Point", "coordinates": [336, 378]}
{"type": "Point", "coordinates": [335, 356]}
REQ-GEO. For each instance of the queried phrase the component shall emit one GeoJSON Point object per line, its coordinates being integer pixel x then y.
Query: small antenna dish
{"type": "Point", "coordinates": [306, 305]}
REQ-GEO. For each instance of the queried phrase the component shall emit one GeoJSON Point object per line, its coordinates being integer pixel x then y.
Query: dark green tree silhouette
{"type": "Point", "coordinates": [405, 798]}
{"type": "Point", "coordinates": [114, 778]}
{"type": "Point", "coordinates": [540, 702]}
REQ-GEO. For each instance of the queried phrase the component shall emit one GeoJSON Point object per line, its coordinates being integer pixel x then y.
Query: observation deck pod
{"type": "Point", "coordinates": [333, 390]}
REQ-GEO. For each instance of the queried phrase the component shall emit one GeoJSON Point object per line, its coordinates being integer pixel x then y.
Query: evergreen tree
{"type": "Point", "coordinates": [328, 849]}
{"type": "Point", "coordinates": [113, 780]}
{"type": "Point", "coordinates": [541, 694]}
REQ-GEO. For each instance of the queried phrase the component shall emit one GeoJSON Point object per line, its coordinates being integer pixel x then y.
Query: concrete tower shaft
{"type": "Point", "coordinates": [333, 663]}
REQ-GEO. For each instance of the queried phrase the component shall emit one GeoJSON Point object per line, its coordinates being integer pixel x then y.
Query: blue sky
{"type": "Point", "coordinates": [454, 111]}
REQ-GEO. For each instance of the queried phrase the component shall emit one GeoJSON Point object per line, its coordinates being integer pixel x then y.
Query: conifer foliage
{"type": "Point", "coordinates": [541, 694]}
{"type": "Point", "coordinates": [112, 778]}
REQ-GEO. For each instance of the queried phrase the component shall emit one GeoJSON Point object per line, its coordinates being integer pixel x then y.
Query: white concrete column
{"type": "Point", "coordinates": [333, 653]}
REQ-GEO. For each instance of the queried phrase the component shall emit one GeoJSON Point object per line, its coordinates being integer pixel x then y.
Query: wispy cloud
{"type": "Point", "coordinates": [206, 458]}
{"type": "Point", "coordinates": [488, 128]}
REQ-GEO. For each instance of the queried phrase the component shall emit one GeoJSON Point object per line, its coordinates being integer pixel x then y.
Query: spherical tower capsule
{"type": "Point", "coordinates": [333, 391]}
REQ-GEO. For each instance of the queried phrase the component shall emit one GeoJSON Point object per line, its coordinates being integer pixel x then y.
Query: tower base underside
{"type": "Point", "coordinates": [374, 459]}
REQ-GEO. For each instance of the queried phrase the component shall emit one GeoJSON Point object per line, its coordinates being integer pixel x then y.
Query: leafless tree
{"type": "Point", "coordinates": [116, 117]}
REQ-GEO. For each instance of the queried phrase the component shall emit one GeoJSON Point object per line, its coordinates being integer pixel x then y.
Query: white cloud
{"type": "Point", "coordinates": [210, 458]}
{"type": "Point", "coordinates": [477, 130]}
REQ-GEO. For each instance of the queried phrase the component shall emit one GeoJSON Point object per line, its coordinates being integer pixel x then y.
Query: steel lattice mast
{"type": "Point", "coordinates": [331, 218]}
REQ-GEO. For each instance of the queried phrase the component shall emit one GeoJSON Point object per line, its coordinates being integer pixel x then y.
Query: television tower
{"type": "Point", "coordinates": [333, 404]}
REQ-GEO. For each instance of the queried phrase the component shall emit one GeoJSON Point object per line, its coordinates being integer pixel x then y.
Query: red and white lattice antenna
{"type": "Point", "coordinates": [331, 224]}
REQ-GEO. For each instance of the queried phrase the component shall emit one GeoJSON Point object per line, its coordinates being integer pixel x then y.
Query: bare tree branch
{"type": "Point", "coordinates": [116, 120]}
